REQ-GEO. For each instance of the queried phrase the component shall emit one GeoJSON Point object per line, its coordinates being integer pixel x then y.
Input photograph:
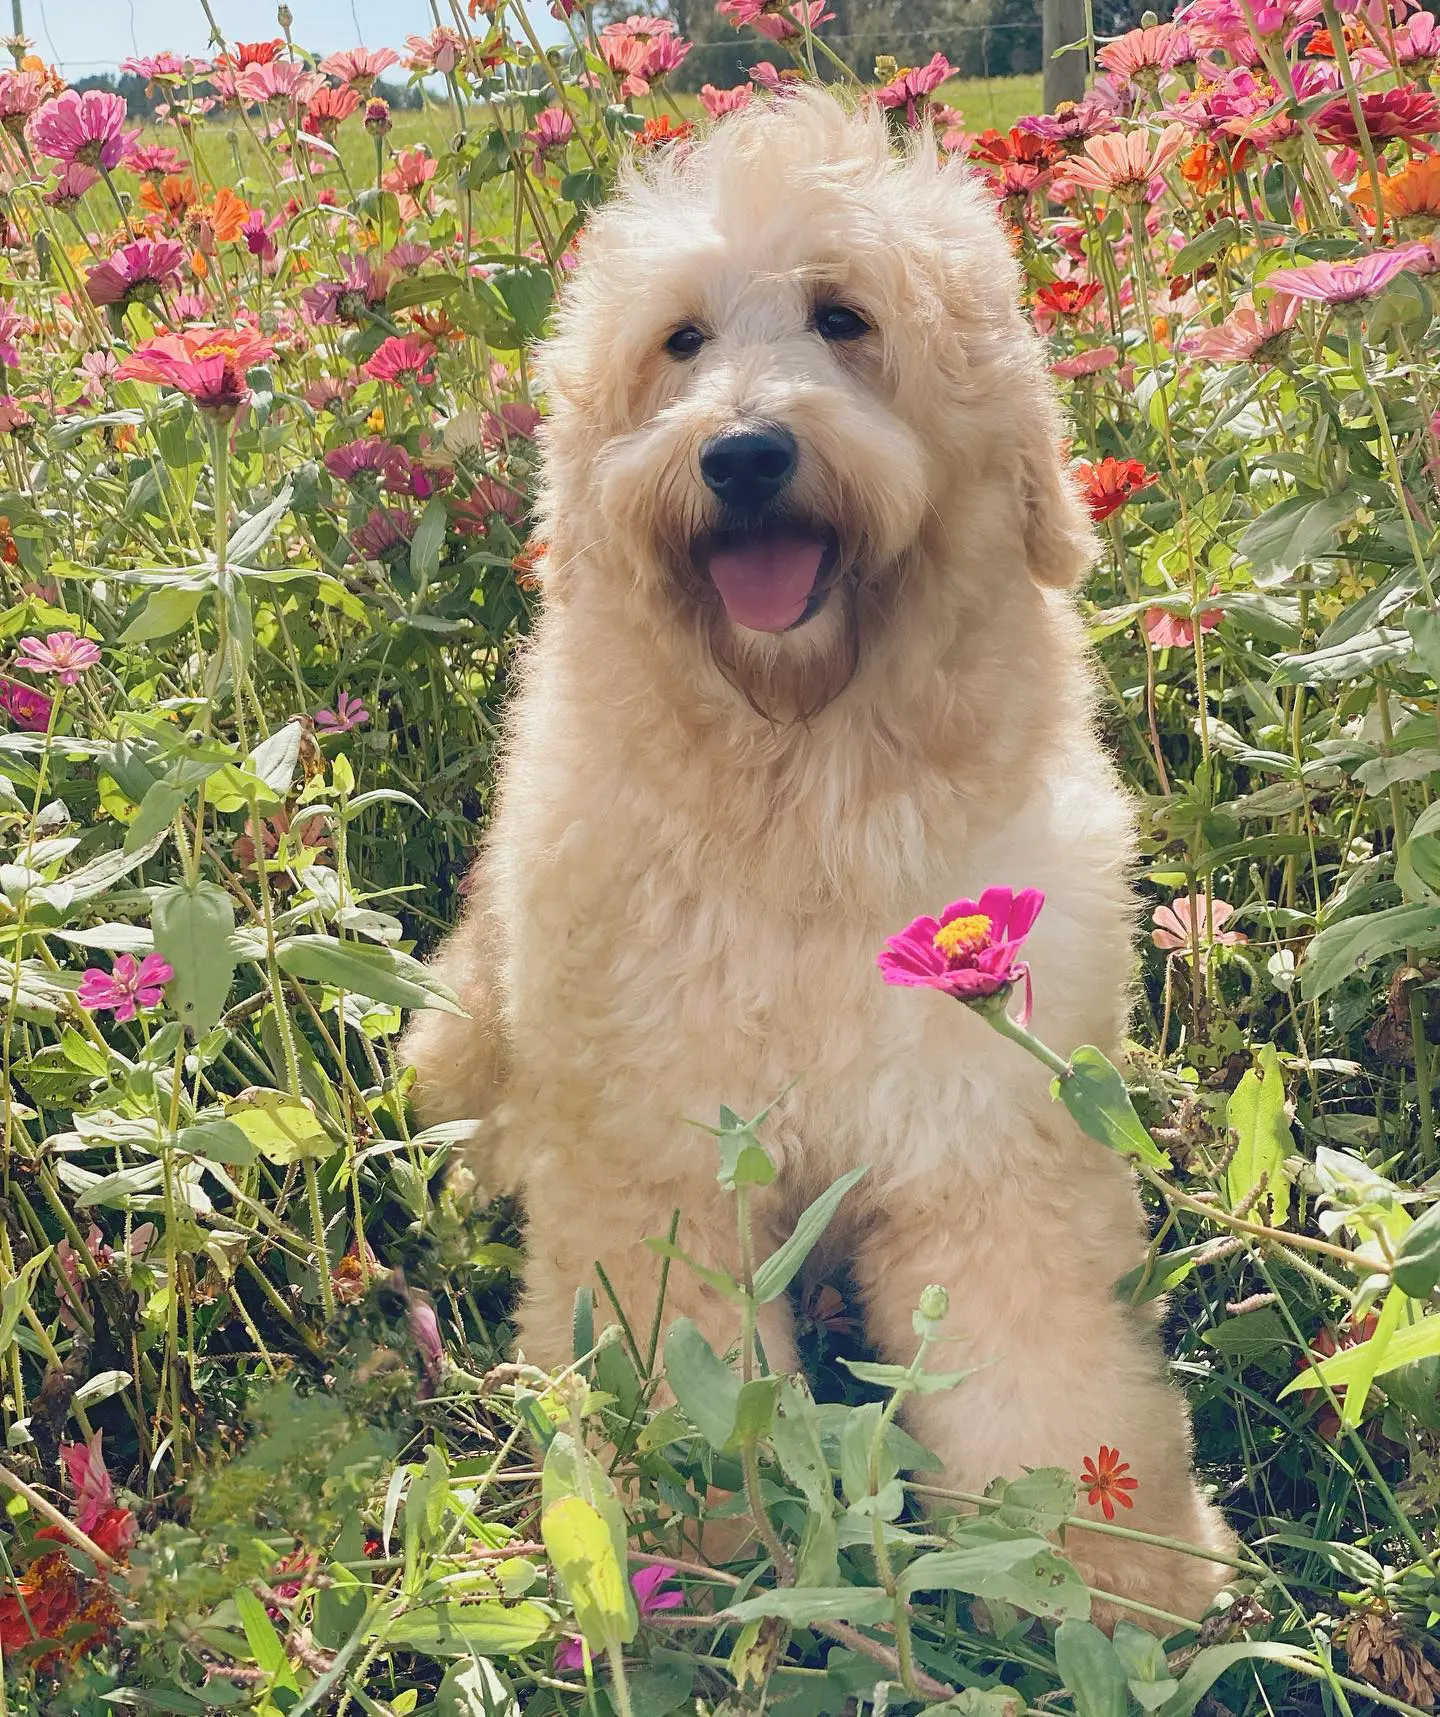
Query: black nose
{"type": "Point", "coordinates": [747, 468]}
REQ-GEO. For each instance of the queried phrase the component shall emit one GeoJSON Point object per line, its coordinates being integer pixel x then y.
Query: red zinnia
{"type": "Point", "coordinates": [1068, 297]}
{"type": "Point", "coordinates": [1104, 1479]}
{"type": "Point", "coordinates": [1106, 487]}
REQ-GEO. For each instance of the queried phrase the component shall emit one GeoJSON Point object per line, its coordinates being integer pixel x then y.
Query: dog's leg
{"type": "Point", "coordinates": [1028, 1265]}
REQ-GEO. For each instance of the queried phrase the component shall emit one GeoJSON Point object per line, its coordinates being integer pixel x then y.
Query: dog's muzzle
{"type": "Point", "coordinates": [769, 569]}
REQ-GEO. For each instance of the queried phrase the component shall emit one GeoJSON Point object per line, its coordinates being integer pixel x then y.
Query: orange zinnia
{"type": "Point", "coordinates": [1104, 1479]}
{"type": "Point", "coordinates": [1412, 194]}
{"type": "Point", "coordinates": [171, 198]}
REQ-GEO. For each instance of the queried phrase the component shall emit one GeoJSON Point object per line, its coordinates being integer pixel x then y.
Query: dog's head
{"type": "Point", "coordinates": [794, 403]}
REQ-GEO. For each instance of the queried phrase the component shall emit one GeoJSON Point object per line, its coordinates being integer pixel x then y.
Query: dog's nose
{"type": "Point", "coordinates": [747, 468]}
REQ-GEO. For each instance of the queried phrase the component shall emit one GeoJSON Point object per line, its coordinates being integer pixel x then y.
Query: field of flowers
{"type": "Point", "coordinates": [267, 439]}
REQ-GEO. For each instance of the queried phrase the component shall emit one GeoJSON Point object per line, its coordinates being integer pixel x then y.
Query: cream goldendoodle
{"type": "Point", "coordinates": [806, 669]}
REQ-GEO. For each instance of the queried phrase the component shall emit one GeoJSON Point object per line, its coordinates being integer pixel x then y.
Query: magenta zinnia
{"type": "Point", "coordinates": [971, 951]}
{"type": "Point", "coordinates": [88, 129]}
{"type": "Point", "coordinates": [137, 272]}
{"type": "Point", "coordinates": [127, 985]}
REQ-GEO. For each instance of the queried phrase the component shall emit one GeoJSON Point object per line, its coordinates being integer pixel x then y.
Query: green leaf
{"type": "Point", "coordinates": [474, 1689]}
{"type": "Point", "coordinates": [284, 1129]}
{"type": "Point", "coordinates": [1251, 1335]}
{"type": "Point", "coordinates": [164, 611]}
{"type": "Point", "coordinates": [264, 1642]}
{"type": "Point", "coordinates": [1256, 1112]}
{"type": "Point", "coordinates": [1351, 660]}
{"type": "Point", "coordinates": [251, 535]}
{"type": "Point", "coordinates": [1205, 245]}
{"type": "Point", "coordinates": [1017, 1568]}
{"type": "Point", "coordinates": [193, 924]}
{"type": "Point", "coordinates": [1292, 533]}
{"type": "Point", "coordinates": [1147, 1670]}
{"type": "Point", "coordinates": [1350, 946]}
{"type": "Point", "coordinates": [218, 1142]}
{"type": "Point", "coordinates": [1091, 1668]}
{"type": "Point", "coordinates": [1039, 1501]}
{"type": "Point", "coordinates": [17, 1293]}
{"type": "Point", "coordinates": [382, 974]}
{"type": "Point", "coordinates": [421, 289]}
{"type": "Point", "coordinates": [1423, 625]}
{"type": "Point", "coordinates": [1152, 1277]}
{"type": "Point", "coordinates": [781, 1267]}
{"type": "Point", "coordinates": [1094, 1093]}
{"type": "Point", "coordinates": [583, 1555]}
{"type": "Point", "coordinates": [795, 1437]}
{"type": "Point", "coordinates": [1417, 1261]}
{"type": "Point", "coordinates": [706, 1388]}
{"type": "Point", "coordinates": [527, 290]}
{"type": "Point", "coordinates": [802, 1604]}
{"type": "Point", "coordinates": [275, 759]}
{"type": "Point", "coordinates": [1209, 1665]}
{"type": "Point", "coordinates": [426, 544]}
{"type": "Point", "coordinates": [487, 1629]}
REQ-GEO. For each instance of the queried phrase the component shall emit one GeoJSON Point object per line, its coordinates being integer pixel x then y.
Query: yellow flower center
{"type": "Point", "coordinates": [963, 935]}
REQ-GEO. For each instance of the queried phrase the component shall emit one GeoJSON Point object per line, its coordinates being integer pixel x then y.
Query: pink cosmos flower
{"type": "Point", "coordinates": [128, 985]}
{"type": "Point", "coordinates": [403, 358]}
{"type": "Point", "coordinates": [775, 19]}
{"type": "Point", "coordinates": [137, 272]}
{"type": "Point", "coordinates": [1124, 163]}
{"type": "Point", "coordinates": [718, 102]}
{"type": "Point", "coordinates": [972, 951]}
{"type": "Point", "coordinates": [88, 129]}
{"type": "Point", "coordinates": [1177, 928]}
{"type": "Point", "coordinates": [28, 709]}
{"type": "Point", "coordinates": [359, 67]}
{"type": "Point", "coordinates": [348, 714]}
{"type": "Point", "coordinates": [62, 654]}
{"type": "Point", "coordinates": [648, 1585]}
{"type": "Point", "coordinates": [1352, 282]}
{"type": "Point", "coordinates": [1085, 363]}
{"type": "Point", "coordinates": [1247, 335]}
{"type": "Point", "coordinates": [1177, 631]}
{"type": "Point", "coordinates": [912, 88]}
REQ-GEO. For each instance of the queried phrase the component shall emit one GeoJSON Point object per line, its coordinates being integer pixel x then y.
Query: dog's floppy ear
{"type": "Point", "coordinates": [1060, 545]}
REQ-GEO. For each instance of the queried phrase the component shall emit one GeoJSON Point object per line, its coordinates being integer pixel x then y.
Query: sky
{"type": "Point", "coordinates": [85, 36]}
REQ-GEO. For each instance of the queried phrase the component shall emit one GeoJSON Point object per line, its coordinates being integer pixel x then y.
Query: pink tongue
{"type": "Point", "coordinates": [766, 584]}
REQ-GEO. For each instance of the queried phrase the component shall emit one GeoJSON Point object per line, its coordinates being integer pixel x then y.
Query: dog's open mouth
{"type": "Point", "coordinates": [770, 577]}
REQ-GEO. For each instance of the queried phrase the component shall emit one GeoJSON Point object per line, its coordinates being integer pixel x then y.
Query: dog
{"type": "Point", "coordinates": [806, 669]}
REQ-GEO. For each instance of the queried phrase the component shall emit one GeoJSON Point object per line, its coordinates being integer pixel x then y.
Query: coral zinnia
{"type": "Point", "coordinates": [971, 951]}
{"type": "Point", "coordinates": [1124, 163]}
{"type": "Point", "coordinates": [1106, 487]}
{"type": "Point", "coordinates": [208, 364]}
{"type": "Point", "coordinates": [1104, 1479]}
{"type": "Point", "coordinates": [1247, 335]}
{"type": "Point", "coordinates": [403, 359]}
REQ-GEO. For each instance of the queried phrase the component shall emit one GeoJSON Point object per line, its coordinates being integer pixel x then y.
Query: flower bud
{"type": "Point", "coordinates": [377, 117]}
{"type": "Point", "coordinates": [934, 1302]}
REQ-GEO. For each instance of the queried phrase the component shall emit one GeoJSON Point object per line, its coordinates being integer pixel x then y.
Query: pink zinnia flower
{"type": "Point", "coordinates": [329, 109]}
{"type": "Point", "coordinates": [137, 272]}
{"type": "Point", "coordinates": [88, 129]}
{"type": "Point", "coordinates": [1409, 113]}
{"type": "Point", "coordinates": [93, 1495]}
{"type": "Point", "coordinates": [1141, 55]}
{"type": "Point", "coordinates": [1352, 282]}
{"type": "Point", "coordinates": [972, 951]}
{"type": "Point", "coordinates": [208, 364]}
{"type": "Point", "coordinates": [370, 457]}
{"type": "Point", "coordinates": [63, 654]}
{"type": "Point", "coordinates": [387, 529]}
{"type": "Point", "coordinates": [74, 182]}
{"type": "Point", "coordinates": [1072, 121]}
{"type": "Point", "coordinates": [12, 326]}
{"type": "Point", "coordinates": [1124, 163]}
{"type": "Point", "coordinates": [718, 102]}
{"type": "Point", "coordinates": [359, 67]}
{"type": "Point", "coordinates": [411, 172]}
{"type": "Point", "coordinates": [553, 129]}
{"type": "Point", "coordinates": [403, 358]}
{"type": "Point", "coordinates": [912, 88]}
{"type": "Point", "coordinates": [348, 714]}
{"type": "Point", "coordinates": [279, 81]}
{"type": "Point", "coordinates": [354, 299]}
{"type": "Point", "coordinates": [1085, 363]}
{"type": "Point", "coordinates": [127, 985]}
{"type": "Point", "coordinates": [1167, 631]}
{"type": "Point", "coordinates": [28, 709]}
{"type": "Point", "coordinates": [1177, 926]}
{"type": "Point", "coordinates": [773, 18]}
{"type": "Point", "coordinates": [20, 94]}
{"type": "Point", "coordinates": [648, 1585]}
{"type": "Point", "coordinates": [1247, 335]}
{"type": "Point", "coordinates": [441, 51]}
{"type": "Point", "coordinates": [163, 67]}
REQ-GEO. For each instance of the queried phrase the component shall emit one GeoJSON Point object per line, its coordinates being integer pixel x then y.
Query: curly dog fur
{"type": "Point", "coordinates": [705, 830]}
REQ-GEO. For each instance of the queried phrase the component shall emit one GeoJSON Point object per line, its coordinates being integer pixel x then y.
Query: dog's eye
{"type": "Point", "coordinates": [839, 322]}
{"type": "Point", "coordinates": [685, 342]}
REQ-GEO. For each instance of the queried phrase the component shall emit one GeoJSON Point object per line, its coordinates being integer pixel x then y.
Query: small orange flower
{"type": "Point", "coordinates": [1104, 1479]}
{"type": "Point", "coordinates": [171, 198]}
{"type": "Point", "coordinates": [1412, 195]}
{"type": "Point", "coordinates": [663, 130]}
